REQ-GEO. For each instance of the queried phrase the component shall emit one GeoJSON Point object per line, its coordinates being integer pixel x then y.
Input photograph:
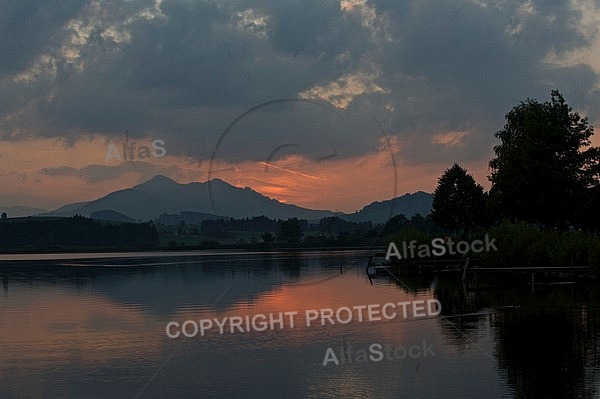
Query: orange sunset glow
{"type": "Point", "coordinates": [415, 183]}
{"type": "Point", "coordinates": [100, 74]}
{"type": "Point", "coordinates": [333, 184]}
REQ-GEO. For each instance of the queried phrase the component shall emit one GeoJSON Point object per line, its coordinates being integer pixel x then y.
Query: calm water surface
{"type": "Point", "coordinates": [93, 326]}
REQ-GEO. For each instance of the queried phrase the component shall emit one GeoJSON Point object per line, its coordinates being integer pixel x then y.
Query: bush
{"type": "Point", "coordinates": [526, 245]}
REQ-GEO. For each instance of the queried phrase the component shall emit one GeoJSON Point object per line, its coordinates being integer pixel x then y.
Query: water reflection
{"type": "Point", "coordinates": [546, 341]}
{"type": "Point", "coordinates": [96, 328]}
{"type": "Point", "coordinates": [550, 348]}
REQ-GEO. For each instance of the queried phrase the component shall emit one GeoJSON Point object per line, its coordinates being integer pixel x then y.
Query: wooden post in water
{"type": "Point", "coordinates": [464, 276]}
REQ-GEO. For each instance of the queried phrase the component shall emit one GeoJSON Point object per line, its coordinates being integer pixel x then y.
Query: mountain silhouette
{"type": "Point", "coordinates": [162, 195]}
{"type": "Point", "coordinates": [159, 195]}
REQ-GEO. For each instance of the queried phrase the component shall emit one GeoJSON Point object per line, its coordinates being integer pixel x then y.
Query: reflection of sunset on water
{"type": "Point", "coordinates": [45, 326]}
{"type": "Point", "coordinates": [299, 297]}
{"type": "Point", "coordinates": [100, 331]}
{"type": "Point", "coordinates": [54, 325]}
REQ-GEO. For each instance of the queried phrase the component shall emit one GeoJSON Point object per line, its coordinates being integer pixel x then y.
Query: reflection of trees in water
{"type": "Point", "coordinates": [292, 265]}
{"type": "Point", "coordinates": [457, 300]}
{"type": "Point", "coordinates": [412, 283]}
{"type": "Point", "coordinates": [42, 273]}
{"type": "Point", "coordinates": [549, 347]}
{"type": "Point", "coordinates": [270, 268]}
{"type": "Point", "coordinates": [549, 352]}
{"type": "Point", "coordinates": [455, 297]}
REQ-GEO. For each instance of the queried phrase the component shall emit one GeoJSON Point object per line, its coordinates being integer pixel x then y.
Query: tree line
{"type": "Point", "coordinates": [74, 232]}
{"type": "Point", "coordinates": [291, 230]}
{"type": "Point", "coordinates": [328, 231]}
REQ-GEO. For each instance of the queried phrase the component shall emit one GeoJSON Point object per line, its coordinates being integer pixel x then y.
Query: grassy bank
{"type": "Point", "coordinates": [525, 245]}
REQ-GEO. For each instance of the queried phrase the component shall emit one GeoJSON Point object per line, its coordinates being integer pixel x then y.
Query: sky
{"type": "Point", "coordinates": [320, 103]}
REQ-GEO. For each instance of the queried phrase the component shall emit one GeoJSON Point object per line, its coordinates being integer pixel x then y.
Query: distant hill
{"type": "Point", "coordinates": [169, 202]}
{"type": "Point", "coordinates": [111, 216]}
{"type": "Point", "coordinates": [21, 211]}
{"type": "Point", "coordinates": [67, 210]}
{"type": "Point", "coordinates": [407, 204]}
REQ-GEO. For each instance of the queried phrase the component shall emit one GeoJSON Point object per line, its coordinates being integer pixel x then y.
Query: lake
{"type": "Point", "coordinates": [95, 326]}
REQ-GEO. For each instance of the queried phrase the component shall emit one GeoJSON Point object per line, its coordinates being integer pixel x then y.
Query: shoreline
{"type": "Point", "coordinates": [46, 256]}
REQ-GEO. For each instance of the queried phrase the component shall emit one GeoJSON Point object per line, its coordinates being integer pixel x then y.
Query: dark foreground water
{"type": "Point", "coordinates": [96, 328]}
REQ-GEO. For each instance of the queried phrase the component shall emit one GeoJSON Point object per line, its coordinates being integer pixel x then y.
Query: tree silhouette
{"type": "Point", "coordinates": [289, 231]}
{"type": "Point", "coordinates": [267, 237]}
{"type": "Point", "coordinates": [458, 201]}
{"type": "Point", "coordinates": [544, 164]}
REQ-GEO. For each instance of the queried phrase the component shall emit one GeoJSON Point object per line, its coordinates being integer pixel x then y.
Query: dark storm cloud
{"type": "Point", "coordinates": [182, 71]}
{"type": "Point", "coordinates": [26, 25]}
{"type": "Point", "coordinates": [463, 69]}
{"type": "Point", "coordinates": [25, 31]}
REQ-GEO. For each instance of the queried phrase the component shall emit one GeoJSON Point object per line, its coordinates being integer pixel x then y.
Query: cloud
{"type": "Point", "coordinates": [449, 139]}
{"type": "Point", "coordinates": [345, 89]}
{"type": "Point", "coordinates": [141, 64]}
{"type": "Point", "coordinates": [103, 173]}
{"type": "Point", "coordinates": [421, 72]}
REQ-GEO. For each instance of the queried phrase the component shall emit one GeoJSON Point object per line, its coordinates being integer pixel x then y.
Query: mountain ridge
{"type": "Point", "coordinates": [162, 195]}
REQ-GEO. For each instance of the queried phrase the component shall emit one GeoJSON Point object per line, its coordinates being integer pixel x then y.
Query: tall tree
{"type": "Point", "coordinates": [544, 163]}
{"type": "Point", "coordinates": [458, 201]}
